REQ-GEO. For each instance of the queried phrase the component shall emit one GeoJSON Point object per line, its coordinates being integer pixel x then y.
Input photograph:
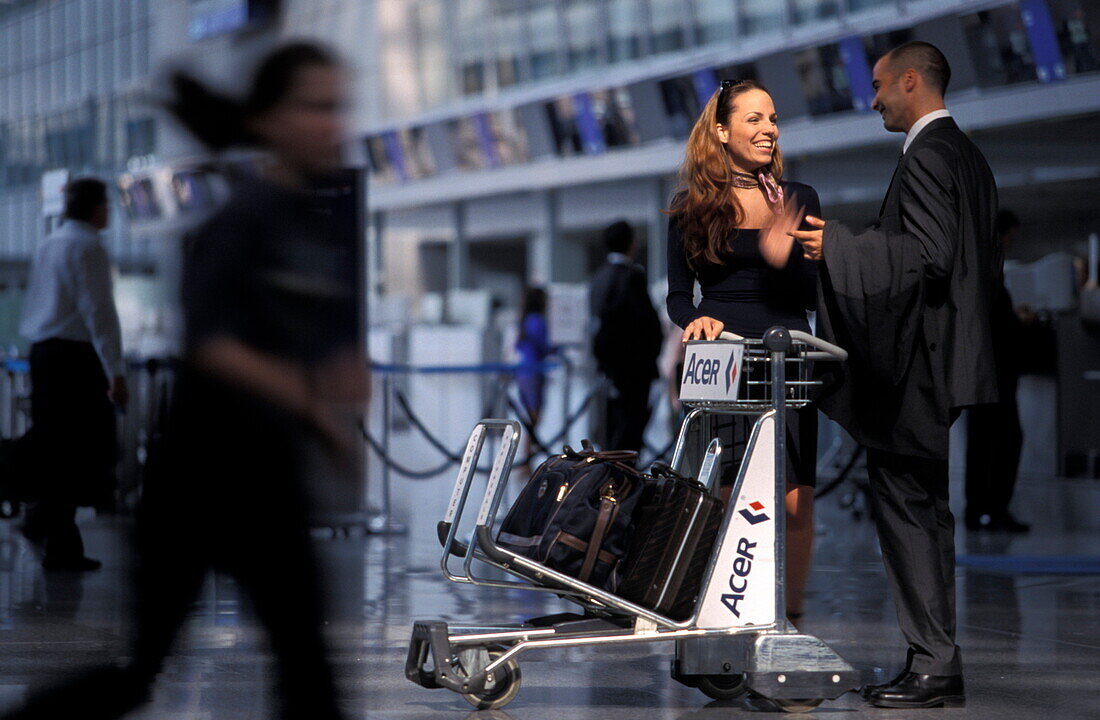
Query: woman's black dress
{"type": "Point", "coordinates": [749, 297]}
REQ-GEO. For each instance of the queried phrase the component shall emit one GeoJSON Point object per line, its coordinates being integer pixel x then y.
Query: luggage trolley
{"type": "Point", "coordinates": [738, 638]}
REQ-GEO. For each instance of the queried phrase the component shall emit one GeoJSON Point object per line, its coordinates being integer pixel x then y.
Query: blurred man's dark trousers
{"type": "Point", "coordinates": [994, 441]}
{"type": "Point", "coordinates": [628, 414]}
{"type": "Point", "coordinates": [74, 443]}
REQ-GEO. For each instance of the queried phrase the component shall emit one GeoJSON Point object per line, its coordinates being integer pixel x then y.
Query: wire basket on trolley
{"type": "Point", "coordinates": [755, 394]}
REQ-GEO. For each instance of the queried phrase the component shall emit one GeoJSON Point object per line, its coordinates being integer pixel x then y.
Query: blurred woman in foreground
{"type": "Point", "coordinates": [269, 355]}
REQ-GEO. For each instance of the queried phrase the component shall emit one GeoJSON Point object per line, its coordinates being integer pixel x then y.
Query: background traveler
{"type": "Point", "coordinates": [627, 339]}
{"type": "Point", "coordinates": [77, 376]}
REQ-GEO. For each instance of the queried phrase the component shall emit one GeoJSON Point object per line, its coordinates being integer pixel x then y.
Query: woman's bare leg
{"type": "Point", "coordinates": [800, 544]}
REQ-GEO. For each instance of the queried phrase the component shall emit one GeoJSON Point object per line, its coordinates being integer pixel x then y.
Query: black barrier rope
{"type": "Point", "coordinates": [403, 402]}
{"type": "Point", "coordinates": [453, 458]}
{"type": "Point", "coordinates": [396, 466]}
{"type": "Point", "coordinates": [569, 422]}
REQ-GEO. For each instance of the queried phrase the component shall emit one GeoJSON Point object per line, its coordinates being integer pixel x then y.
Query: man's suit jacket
{"type": "Point", "coordinates": [933, 325]}
{"type": "Point", "coordinates": [628, 335]}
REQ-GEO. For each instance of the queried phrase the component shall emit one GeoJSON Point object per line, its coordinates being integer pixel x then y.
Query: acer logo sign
{"type": "Point", "coordinates": [757, 517]}
{"type": "Point", "coordinates": [739, 578]}
{"type": "Point", "coordinates": [705, 371]}
{"type": "Point", "coordinates": [702, 371]}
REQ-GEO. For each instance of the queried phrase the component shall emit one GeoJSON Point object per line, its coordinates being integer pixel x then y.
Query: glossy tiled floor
{"type": "Point", "coordinates": [1031, 641]}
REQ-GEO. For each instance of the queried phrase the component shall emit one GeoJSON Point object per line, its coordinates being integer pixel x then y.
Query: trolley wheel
{"type": "Point", "coordinates": [501, 690]}
{"type": "Point", "coordinates": [796, 706]}
{"type": "Point", "coordinates": [722, 687]}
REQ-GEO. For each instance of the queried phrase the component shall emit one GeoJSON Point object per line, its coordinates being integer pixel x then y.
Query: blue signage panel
{"type": "Point", "coordinates": [589, 129]}
{"type": "Point", "coordinates": [856, 65]}
{"type": "Point", "coordinates": [485, 140]}
{"type": "Point", "coordinates": [1044, 40]}
{"type": "Point", "coordinates": [705, 82]}
{"type": "Point", "coordinates": [395, 155]}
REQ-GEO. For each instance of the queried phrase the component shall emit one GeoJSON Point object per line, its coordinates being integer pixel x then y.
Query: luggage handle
{"type": "Point", "coordinates": [709, 476]}
{"type": "Point", "coordinates": [588, 450]}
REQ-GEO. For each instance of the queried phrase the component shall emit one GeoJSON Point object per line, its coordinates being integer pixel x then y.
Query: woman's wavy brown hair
{"type": "Point", "coordinates": [706, 209]}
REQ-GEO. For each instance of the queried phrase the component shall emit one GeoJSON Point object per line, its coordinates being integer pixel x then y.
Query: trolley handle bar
{"type": "Point", "coordinates": [828, 350]}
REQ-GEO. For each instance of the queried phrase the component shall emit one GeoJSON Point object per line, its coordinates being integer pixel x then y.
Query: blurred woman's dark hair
{"type": "Point", "coordinates": [534, 301]}
{"type": "Point", "coordinates": [83, 196]}
{"type": "Point", "coordinates": [219, 121]}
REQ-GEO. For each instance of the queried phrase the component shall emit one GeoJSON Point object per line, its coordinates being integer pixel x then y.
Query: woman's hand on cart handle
{"type": "Point", "coordinates": [704, 328]}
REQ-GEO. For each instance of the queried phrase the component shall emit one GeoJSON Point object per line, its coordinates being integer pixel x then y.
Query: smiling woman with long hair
{"type": "Point", "coordinates": [728, 232]}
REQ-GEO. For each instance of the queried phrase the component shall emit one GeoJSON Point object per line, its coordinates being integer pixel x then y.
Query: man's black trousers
{"type": "Point", "coordinates": [917, 534]}
{"type": "Point", "coordinates": [73, 441]}
{"type": "Point", "coordinates": [628, 413]}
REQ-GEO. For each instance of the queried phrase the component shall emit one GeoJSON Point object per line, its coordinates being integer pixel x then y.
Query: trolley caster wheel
{"type": "Point", "coordinates": [501, 690]}
{"type": "Point", "coordinates": [796, 705]}
{"type": "Point", "coordinates": [722, 687]}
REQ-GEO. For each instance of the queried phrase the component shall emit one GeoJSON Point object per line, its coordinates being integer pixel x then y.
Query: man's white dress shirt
{"type": "Point", "coordinates": [920, 125]}
{"type": "Point", "coordinates": [70, 295]}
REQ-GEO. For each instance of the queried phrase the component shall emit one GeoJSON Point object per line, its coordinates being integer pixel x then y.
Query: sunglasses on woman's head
{"type": "Point", "coordinates": [723, 89]}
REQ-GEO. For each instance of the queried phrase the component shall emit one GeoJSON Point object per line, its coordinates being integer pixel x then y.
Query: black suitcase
{"type": "Point", "coordinates": [574, 515]}
{"type": "Point", "coordinates": [675, 526]}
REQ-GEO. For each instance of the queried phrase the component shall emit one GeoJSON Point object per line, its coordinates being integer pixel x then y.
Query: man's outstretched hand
{"type": "Point", "coordinates": [811, 239]}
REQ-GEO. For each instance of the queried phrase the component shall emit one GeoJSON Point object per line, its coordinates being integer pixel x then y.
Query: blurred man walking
{"type": "Point", "coordinates": [69, 316]}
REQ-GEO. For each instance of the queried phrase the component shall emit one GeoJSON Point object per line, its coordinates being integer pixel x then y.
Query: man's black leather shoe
{"type": "Point", "coordinates": [866, 690]}
{"type": "Point", "coordinates": [74, 564]}
{"type": "Point", "coordinates": [920, 691]}
{"type": "Point", "coordinates": [1007, 523]}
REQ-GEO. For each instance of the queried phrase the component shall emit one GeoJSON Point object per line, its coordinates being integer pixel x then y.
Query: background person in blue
{"type": "Point", "coordinates": [727, 231]}
{"type": "Point", "coordinates": [533, 347]}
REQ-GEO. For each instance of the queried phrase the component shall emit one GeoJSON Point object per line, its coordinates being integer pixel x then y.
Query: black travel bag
{"type": "Point", "coordinates": [575, 513]}
{"type": "Point", "coordinates": [675, 525]}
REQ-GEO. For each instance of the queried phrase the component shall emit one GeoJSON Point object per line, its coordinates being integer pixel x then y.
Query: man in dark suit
{"type": "Point", "coordinates": [627, 340]}
{"type": "Point", "coordinates": [911, 299]}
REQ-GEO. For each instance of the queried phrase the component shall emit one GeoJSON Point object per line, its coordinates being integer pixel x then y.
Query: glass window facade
{"type": "Point", "coordinates": [585, 29]}
{"type": "Point", "coordinates": [1078, 26]}
{"type": "Point", "coordinates": [545, 33]}
{"type": "Point", "coordinates": [855, 6]}
{"type": "Point", "coordinates": [762, 16]}
{"type": "Point", "coordinates": [62, 67]}
{"type": "Point", "coordinates": [999, 47]}
{"type": "Point", "coordinates": [878, 45]}
{"type": "Point", "coordinates": [808, 11]}
{"type": "Point", "coordinates": [824, 80]}
{"type": "Point", "coordinates": [667, 24]}
{"type": "Point", "coordinates": [509, 26]}
{"type": "Point", "coordinates": [681, 104]}
{"type": "Point", "coordinates": [428, 23]}
{"type": "Point", "coordinates": [473, 44]}
{"type": "Point", "coordinates": [715, 21]}
{"type": "Point", "coordinates": [625, 23]}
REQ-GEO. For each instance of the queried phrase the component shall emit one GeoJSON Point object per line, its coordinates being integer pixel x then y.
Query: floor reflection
{"type": "Point", "coordinates": [1031, 642]}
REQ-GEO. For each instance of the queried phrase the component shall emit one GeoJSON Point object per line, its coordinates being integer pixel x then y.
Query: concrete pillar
{"type": "Point", "coordinates": [373, 285]}
{"type": "Point", "coordinates": [657, 231]}
{"type": "Point", "coordinates": [458, 252]}
{"type": "Point", "coordinates": [375, 256]}
{"type": "Point", "coordinates": [540, 246]}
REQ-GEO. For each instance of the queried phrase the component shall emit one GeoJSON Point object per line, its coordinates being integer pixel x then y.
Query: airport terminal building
{"type": "Point", "coordinates": [490, 144]}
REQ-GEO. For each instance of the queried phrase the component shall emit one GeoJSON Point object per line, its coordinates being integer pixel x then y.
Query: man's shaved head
{"type": "Point", "coordinates": [926, 59]}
